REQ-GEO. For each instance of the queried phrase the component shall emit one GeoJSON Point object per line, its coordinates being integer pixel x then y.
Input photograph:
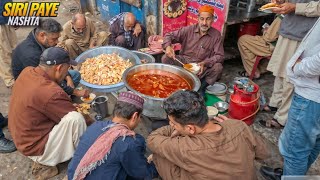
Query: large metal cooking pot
{"type": "Point", "coordinates": [152, 106]}
{"type": "Point", "coordinates": [124, 53]}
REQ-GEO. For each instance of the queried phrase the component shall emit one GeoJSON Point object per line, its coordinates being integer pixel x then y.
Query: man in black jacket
{"type": "Point", "coordinates": [28, 52]}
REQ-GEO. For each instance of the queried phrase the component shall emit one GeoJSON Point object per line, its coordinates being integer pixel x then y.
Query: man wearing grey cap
{"type": "Point", "coordinates": [44, 124]}
{"type": "Point", "coordinates": [111, 149]}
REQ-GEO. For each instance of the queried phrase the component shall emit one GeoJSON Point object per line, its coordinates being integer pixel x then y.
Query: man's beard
{"type": "Point", "coordinates": [79, 33]}
{"type": "Point", "coordinates": [125, 29]}
{"type": "Point", "coordinates": [204, 29]}
{"type": "Point", "coordinates": [46, 44]}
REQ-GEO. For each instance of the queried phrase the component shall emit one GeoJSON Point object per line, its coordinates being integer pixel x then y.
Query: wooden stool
{"type": "Point", "coordinates": [255, 66]}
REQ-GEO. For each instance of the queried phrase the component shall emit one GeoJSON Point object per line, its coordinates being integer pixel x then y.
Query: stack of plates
{"type": "Point", "coordinates": [218, 89]}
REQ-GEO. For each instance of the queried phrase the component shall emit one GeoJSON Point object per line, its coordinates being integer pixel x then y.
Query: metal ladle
{"type": "Point", "coordinates": [175, 59]}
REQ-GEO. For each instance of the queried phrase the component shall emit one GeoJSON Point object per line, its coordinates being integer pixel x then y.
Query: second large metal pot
{"type": "Point", "coordinates": [152, 105]}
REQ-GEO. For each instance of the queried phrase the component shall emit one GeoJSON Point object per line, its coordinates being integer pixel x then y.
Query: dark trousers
{"type": "Point", "coordinates": [76, 77]}
{"type": "Point", "coordinates": [1, 121]}
{"type": "Point", "coordinates": [138, 42]}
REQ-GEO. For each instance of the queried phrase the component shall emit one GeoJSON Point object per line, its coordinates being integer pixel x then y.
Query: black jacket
{"type": "Point", "coordinates": [27, 53]}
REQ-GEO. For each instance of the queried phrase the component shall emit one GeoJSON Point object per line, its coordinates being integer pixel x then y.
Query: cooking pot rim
{"type": "Point", "coordinates": [196, 80]}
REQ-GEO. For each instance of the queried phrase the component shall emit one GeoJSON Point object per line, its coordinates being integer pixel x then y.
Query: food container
{"type": "Point", "coordinates": [124, 53]}
{"type": "Point", "coordinates": [221, 106]}
{"type": "Point", "coordinates": [152, 105]}
{"type": "Point", "coordinates": [144, 57]}
{"type": "Point", "coordinates": [88, 100]}
{"type": "Point", "coordinates": [217, 89]}
{"type": "Point", "coordinates": [229, 92]}
{"type": "Point", "coordinates": [212, 112]}
{"type": "Point", "coordinates": [192, 67]}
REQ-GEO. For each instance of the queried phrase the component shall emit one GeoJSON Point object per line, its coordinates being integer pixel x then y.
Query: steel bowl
{"type": "Point", "coordinates": [149, 58]}
{"type": "Point", "coordinates": [124, 53]}
{"type": "Point", "coordinates": [221, 106]}
{"type": "Point", "coordinates": [152, 105]}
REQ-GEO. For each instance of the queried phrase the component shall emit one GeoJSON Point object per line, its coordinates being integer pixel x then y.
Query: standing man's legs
{"type": "Point", "coordinates": [8, 41]}
{"type": "Point", "coordinates": [299, 142]}
{"type": "Point", "coordinates": [282, 113]}
{"type": "Point", "coordinates": [275, 100]}
{"type": "Point", "coordinates": [283, 52]}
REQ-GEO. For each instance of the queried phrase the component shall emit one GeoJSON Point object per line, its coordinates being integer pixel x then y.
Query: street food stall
{"type": "Point", "coordinates": [232, 17]}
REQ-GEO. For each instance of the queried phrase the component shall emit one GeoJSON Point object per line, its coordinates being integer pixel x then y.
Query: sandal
{"type": "Point", "coordinates": [271, 123]}
{"type": "Point", "coordinates": [244, 74]}
{"type": "Point", "coordinates": [270, 109]}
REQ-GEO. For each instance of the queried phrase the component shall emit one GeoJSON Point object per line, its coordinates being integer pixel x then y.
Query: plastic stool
{"type": "Point", "coordinates": [255, 66]}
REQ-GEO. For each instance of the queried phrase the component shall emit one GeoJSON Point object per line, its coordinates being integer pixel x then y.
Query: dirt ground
{"type": "Point", "coordinates": [18, 167]}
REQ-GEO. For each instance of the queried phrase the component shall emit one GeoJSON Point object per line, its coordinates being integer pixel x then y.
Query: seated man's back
{"type": "Point", "coordinates": [43, 122]}
{"type": "Point", "coordinates": [116, 165]}
{"type": "Point", "coordinates": [193, 147]}
{"type": "Point", "coordinates": [226, 154]}
{"type": "Point", "coordinates": [35, 111]}
{"type": "Point", "coordinates": [111, 149]}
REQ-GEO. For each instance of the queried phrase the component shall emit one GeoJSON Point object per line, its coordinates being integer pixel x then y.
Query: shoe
{"type": "Point", "coordinates": [270, 109]}
{"type": "Point", "coordinates": [42, 172]}
{"type": "Point", "coordinates": [271, 174]}
{"type": "Point", "coordinates": [6, 145]}
{"type": "Point", "coordinates": [3, 121]}
{"type": "Point", "coordinates": [244, 74]}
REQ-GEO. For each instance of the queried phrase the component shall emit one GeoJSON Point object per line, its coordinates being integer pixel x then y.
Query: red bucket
{"type": "Point", "coordinates": [244, 105]}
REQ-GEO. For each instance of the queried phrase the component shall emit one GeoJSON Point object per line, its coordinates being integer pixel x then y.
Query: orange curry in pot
{"type": "Point", "coordinates": [157, 83]}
